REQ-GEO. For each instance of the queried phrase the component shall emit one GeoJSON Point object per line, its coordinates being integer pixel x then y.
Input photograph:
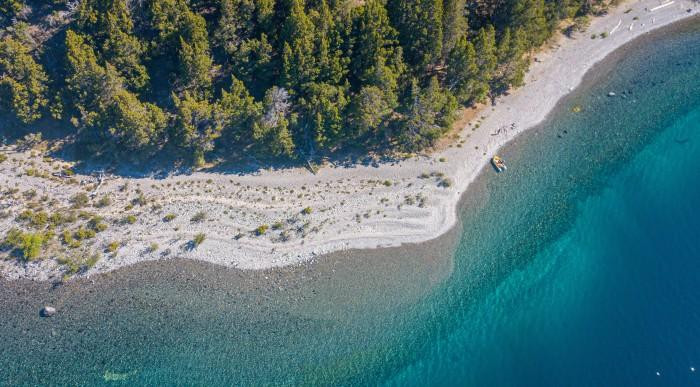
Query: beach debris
{"type": "Point", "coordinates": [311, 167]}
{"type": "Point", "coordinates": [47, 311]}
{"type": "Point", "coordinates": [616, 27]}
{"type": "Point", "coordinates": [661, 6]}
{"type": "Point", "coordinates": [577, 109]}
{"type": "Point", "coordinates": [611, 94]}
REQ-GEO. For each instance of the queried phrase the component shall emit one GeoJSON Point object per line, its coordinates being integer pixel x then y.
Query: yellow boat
{"type": "Point", "coordinates": [499, 164]}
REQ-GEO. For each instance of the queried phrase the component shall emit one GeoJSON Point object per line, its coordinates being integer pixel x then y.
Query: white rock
{"type": "Point", "coordinates": [47, 311]}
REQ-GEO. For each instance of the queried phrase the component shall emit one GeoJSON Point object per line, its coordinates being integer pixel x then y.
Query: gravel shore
{"type": "Point", "coordinates": [276, 218]}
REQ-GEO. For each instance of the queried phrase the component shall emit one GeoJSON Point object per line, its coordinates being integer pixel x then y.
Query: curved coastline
{"type": "Point", "coordinates": [552, 77]}
{"type": "Point", "coordinates": [582, 257]}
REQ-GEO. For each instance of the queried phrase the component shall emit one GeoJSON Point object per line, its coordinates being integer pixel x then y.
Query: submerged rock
{"type": "Point", "coordinates": [47, 311]}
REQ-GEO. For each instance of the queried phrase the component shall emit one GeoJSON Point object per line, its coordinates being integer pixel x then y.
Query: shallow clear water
{"type": "Point", "coordinates": [579, 266]}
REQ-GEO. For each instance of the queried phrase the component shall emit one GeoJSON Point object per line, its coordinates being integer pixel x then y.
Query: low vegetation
{"type": "Point", "coordinates": [79, 262]}
{"type": "Point", "coordinates": [27, 244]}
{"type": "Point", "coordinates": [261, 230]}
{"type": "Point", "coordinates": [80, 200]}
{"type": "Point", "coordinates": [199, 217]}
{"type": "Point", "coordinates": [198, 239]}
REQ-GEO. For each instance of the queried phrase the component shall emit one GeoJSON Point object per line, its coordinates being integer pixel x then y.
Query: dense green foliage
{"type": "Point", "coordinates": [276, 78]}
{"type": "Point", "coordinates": [27, 244]}
{"type": "Point", "coordinates": [22, 81]}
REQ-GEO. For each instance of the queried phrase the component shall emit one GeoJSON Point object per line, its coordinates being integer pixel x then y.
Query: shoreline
{"type": "Point", "coordinates": [358, 207]}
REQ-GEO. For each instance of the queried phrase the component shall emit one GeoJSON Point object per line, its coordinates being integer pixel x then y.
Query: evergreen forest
{"type": "Point", "coordinates": [277, 79]}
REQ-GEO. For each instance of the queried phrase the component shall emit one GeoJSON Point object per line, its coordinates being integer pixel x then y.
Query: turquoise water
{"type": "Point", "coordinates": [579, 266]}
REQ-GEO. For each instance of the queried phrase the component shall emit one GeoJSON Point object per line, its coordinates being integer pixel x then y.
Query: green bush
{"type": "Point", "coordinates": [96, 224]}
{"type": "Point", "coordinates": [445, 182]}
{"type": "Point", "coordinates": [28, 244]}
{"type": "Point", "coordinates": [104, 201]}
{"type": "Point", "coordinates": [141, 200]}
{"type": "Point", "coordinates": [58, 219]}
{"type": "Point", "coordinates": [69, 241]}
{"type": "Point", "coordinates": [83, 233]}
{"type": "Point", "coordinates": [261, 230]}
{"type": "Point", "coordinates": [113, 246]}
{"type": "Point", "coordinates": [77, 263]}
{"type": "Point", "coordinates": [35, 219]}
{"type": "Point", "coordinates": [199, 217]}
{"type": "Point", "coordinates": [198, 239]}
{"type": "Point", "coordinates": [80, 200]}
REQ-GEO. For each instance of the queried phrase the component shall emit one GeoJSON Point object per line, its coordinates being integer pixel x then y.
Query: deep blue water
{"type": "Point", "coordinates": [578, 266]}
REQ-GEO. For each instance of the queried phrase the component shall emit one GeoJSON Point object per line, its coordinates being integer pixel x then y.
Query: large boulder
{"type": "Point", "coordinates": [47, 311]}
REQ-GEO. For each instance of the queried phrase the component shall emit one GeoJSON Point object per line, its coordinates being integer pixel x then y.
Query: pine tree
{"type": "Point", "coordinates": [420, 120]}
{"type": "Point", "coordinates": [182, 34]}
{"type": "Point", "coordinates": [242, 32]}
{"type": "Point", "coordinates": [375, 44]}
{"type": "Point", "coordinates": [109, 24]}
{"type": "Point", "coordinates": [431, 112]}
{"type": "Point", "coordinates": [198, 123]}
{"type": "Point", "coordinates": [454, 24]}
{"type": "Point", "coordinates": [166, 19]}
{"type": "Point", "coordinates": [519, 62]}
{"type": "Point", "coordinates": [486, 61]}
{"type": "Point", "coordinates": [135, 126]}
{"type": "Point", "coordinates": [511, 62]}
{"type": "Point", "coordinates": [463, 72]}
{"type": "Point", "coordinates": [240, 113]}
{"type": "Point", "coordinates": [376, 67]}
{"type": "Point", "coordinates": [324, 112]}
{"type": "Point", "coordinates": [9, 8]}
{"type": "Point", "coordinates": [236, 23]}
{"type": "Point", "coordinates": [530, 16]}
{"type": "Point", "coordinates": [271, 133]}
{"type": "Point", "coordinates": [22, 81]}
{"type": "Point", "coordinates": [254, 63]}
{"type": "Point", "coordinates": [90, 86]}
{"type": "Point", "coordinates": [420, 25]}
{"type": "Point", "coordinates": [369, 112]}
{"type": "Point", "coordinates": [299, 64]}
{"type": "Point", "coordinates": [331, 60]}
{"type": "Point", "coordinates": [195, 57]}
{"type": "Point", "coordinates": [110, 116]}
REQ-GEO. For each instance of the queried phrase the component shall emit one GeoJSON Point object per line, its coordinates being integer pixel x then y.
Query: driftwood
{"type": "Point", "coordinates": [61, 175]}
{"type": "Point", "coordinates": [311, 167]}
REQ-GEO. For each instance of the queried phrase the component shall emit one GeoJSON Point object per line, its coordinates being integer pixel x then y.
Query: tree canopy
{"type": "Point", "coordinates": [267, 78]}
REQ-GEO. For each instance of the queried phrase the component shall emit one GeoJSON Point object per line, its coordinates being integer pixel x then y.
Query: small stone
{"type": "Point", "coordinates": [47, 311]}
